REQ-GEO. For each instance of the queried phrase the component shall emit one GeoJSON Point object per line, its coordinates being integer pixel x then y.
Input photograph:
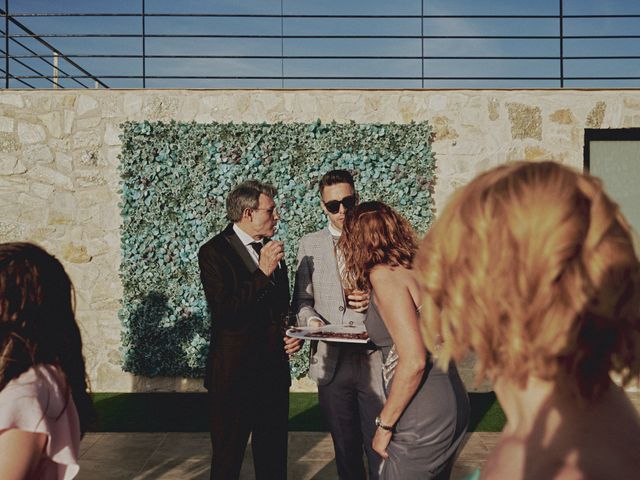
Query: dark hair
{"type": "Point", "coordinates": [333, 177]}
{"type": "Point", "coordinates": [247, 195]}
{"type": "Point", "coordinates": [374, 234]}
{"type": "Point", "coordinates": [37, 321]}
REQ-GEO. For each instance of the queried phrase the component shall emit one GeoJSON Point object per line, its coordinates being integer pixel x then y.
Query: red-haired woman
{"type": "Point", "coordinates": [426, 413]}
{"type": "Point", "coordinates": [532, 267]}
{"type": "Point", "coordinates": [44, 403]}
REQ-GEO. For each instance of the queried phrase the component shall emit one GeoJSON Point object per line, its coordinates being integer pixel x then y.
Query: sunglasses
{"type": "Point", "coordinates": [333, 206]}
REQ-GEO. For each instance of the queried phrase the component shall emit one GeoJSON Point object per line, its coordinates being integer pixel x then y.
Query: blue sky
{"type": "Point", "coordinates": [411, 67]}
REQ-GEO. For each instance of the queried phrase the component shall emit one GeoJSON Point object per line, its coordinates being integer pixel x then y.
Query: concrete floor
{"type": "Point", "coordinates": [186, 456]}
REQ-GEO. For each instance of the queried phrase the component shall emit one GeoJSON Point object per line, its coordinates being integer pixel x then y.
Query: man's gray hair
{"type": "Point", "coordinates": [247, 195]}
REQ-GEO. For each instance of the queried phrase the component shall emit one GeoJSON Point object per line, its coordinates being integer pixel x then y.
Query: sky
{"type": "Point", "coordinates": [407, 70]}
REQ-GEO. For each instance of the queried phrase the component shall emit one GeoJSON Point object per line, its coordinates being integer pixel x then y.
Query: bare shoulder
{"type": "Point", "coordinates": [387, 275]}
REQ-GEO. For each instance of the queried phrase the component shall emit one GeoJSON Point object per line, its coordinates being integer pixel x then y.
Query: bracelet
{"type": "Point", "coordinates": [379, 424]}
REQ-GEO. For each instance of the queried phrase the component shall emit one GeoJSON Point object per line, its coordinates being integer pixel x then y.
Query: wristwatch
{"type": "Point", "coordinates": [388, 428]}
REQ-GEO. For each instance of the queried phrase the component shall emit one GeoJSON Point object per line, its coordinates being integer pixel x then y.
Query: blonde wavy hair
{"type": "Point", "coordinates": [373, 234]}
{"type": "Point", "coordinates": [531, 266]}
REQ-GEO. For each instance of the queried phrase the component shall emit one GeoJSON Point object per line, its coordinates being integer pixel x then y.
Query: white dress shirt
{"type": "Point", "coordinates": [247, 240]}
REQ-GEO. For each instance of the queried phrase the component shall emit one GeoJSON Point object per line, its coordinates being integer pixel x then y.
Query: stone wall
{"type": "Point", "coordinates": [59, 158]}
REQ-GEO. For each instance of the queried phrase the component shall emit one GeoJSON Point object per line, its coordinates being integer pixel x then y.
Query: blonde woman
{"type": "Point", "coordinates": [531, 266]}
{"type": "Point", "coordinates": [422, 423]}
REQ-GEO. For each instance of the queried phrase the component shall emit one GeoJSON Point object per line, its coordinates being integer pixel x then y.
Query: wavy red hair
{"type": "Point", "coordinates": [374, 234]}
{"type": "Point", "coordinates": [532, 267]}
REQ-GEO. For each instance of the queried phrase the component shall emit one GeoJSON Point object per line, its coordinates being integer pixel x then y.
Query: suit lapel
{"type": "Point", "coordinates": [239, 248]}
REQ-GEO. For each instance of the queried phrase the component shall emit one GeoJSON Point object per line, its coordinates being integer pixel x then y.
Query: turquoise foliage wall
{"type": "Point", "coordinates": [175, 178]}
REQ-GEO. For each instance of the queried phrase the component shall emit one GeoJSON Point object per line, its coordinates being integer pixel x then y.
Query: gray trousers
{"type": "Point", "coordinates": [350, 403]}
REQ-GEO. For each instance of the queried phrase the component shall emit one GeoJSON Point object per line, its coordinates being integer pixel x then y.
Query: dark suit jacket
{"type": "Point", "coordinates": [246, 315]}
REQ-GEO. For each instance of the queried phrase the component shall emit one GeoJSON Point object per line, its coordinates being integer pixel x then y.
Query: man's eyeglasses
{"type": "Point", "coordinates": [333, 206]}
{"type": "Point", "coordinates": [270, 211]}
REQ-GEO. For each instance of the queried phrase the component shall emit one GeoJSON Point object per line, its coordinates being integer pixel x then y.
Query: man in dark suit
{"type": "Point", "coordinates": [246, 286]}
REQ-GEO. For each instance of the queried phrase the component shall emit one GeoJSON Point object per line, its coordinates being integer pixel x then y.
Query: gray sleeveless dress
{"type": "Point", "coordinates": [432, 427]}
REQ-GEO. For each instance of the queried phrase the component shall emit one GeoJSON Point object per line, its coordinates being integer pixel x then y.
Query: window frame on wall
{"type": "Point", "coordinates": [604, 135]}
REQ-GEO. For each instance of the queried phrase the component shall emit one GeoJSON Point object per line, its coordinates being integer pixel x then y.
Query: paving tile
{"type": "Point", "coordinates": [489, 439]}
{"type": "Point", "coordinates": [176, 468]}
{"type": "Point", "coordinates": [310, 446]}
{"type": "Point", "coordinates": [184, 445]}
{"type": "Point", "coordinates": [186, 456]}
{"type": "Point", "coordinates": [473, 446]}
{"type": "Point", "coordinates": [89, 441]}
{"type": "Point", "coordinates": [105, 470]}
{"type": "Point", "coordinates": [129, 451]}
{"type": "Point", "coordinates": [316, 470]}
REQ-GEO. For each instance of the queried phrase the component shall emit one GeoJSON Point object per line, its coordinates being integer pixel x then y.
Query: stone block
{"type": "Point", "coordinates": [85, 180]}
{"type": "Point", "coordinates": [563, 116]}
{"type": "Point", "coordinates": [632, 103]}
{"type": "Point", "coordinates": [111, 106]}
{"type": "Point", "coordinates": [596, 115]}
{"type": "Point", "coordinates": [87, 139]}
{"type": "Point", "coordinates": [31, 133]}
{"type": "Point", "coordinates": [10, 232]}
{"type": "Point", "coordinates": [442, 129]}
{"type": "Point", "coordinates": [63, 162]}
{"type": "Point", "coordinates": [6, 124]}
{"type": "Point", "coordinates": [437, 103]}
{"type": "Point", "coordinates": [111, 135]}
{"type": "Point", "coordinates": [38, 154]}
{"type": "Point", "coordinates": [535, 153]}
{"type": "Point", "coordinates": [60, 217]}
{"type": "Point", "coordinates": [132, 104]}
{"type": "Point", "coordinates": [68, 119]}
{"type": "Point", "coordinates": [526, 121]}
{"type": "Point", "coordinates": [50, 176]}
{"type": "Point", "coordinates": [75, 253]}
{"type": "Point", "coordinates": [160, 107]}
{"type": "Point", "coordinates": [13, 99]}
{"type": "Point", "coordinates": [54, 122]}
{"type": "Point", "coordinates": [85, 104]}
{"type": "Point", "coordinates": [87, 123]}
{"type": "Point", "coordinates": [493, 106]}
{"type": "Point", "coordinates": [41, 190]}
{"type": "Point", "coordinates": [110, 378]}
{"type": "Point", "coordinates": [10, 165]}
{"type": "Point", "coordinates": [9, 142]}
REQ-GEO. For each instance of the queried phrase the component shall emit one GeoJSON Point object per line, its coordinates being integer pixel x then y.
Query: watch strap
{"type": "Point", "coordinates": [381, 425]}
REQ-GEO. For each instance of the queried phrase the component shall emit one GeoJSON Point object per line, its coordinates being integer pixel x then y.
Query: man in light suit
{"type": "Point", "coordinates": [247, 289]}
{"type": "Point", "coordinates": [349, 376]}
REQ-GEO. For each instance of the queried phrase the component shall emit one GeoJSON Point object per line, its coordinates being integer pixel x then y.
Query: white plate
{"type": "Point", "coordinates": [325, 332]}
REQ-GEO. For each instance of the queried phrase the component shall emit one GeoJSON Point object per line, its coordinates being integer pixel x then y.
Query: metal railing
{"type": "Point", "coordinates": [23, 63]}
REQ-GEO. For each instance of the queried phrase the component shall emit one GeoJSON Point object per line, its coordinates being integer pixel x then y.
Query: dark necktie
{"type": "Point", "coordinates": [257, 246]}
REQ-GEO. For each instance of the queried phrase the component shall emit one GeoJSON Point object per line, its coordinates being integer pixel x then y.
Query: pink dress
{"type": "Point", "coordinates": [35, 402]}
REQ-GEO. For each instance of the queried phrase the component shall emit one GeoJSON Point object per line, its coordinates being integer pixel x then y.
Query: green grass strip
{"type": "Point", "coordinates": [188, 412]}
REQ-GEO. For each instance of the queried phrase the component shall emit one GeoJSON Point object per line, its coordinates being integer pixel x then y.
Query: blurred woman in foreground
{"type": "Point", "coordinates": [44, 404]}
{"type": "Point", "coordinates": [531, 267]}
{"type": "Point", "coordinates": [426, 413]}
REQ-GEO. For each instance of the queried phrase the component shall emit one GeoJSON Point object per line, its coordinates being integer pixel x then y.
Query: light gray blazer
{"type": "Point", "coordinates": [318, 293]}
